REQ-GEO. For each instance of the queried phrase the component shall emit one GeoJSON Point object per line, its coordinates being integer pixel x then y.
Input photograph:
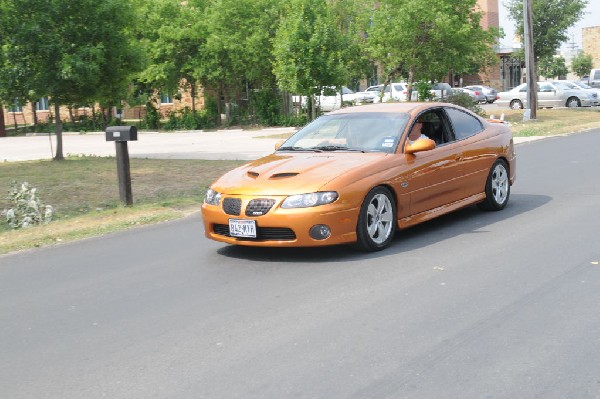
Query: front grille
{"type": "Point", "coordinates": [262, 233]}
{"type": "Point", "coordinates": [232, 206]}
{"type": "Point", "coordinates": [258, 207]}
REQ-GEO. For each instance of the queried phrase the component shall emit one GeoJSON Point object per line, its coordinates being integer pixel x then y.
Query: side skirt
{"type": "Point", "coordinates": [433, 213]}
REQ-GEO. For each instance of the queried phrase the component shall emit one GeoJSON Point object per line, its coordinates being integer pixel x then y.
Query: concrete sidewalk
{"type": "Point", "coordinates": [214, 145]}
{"type": "Point", "coordinates": [234, 144]}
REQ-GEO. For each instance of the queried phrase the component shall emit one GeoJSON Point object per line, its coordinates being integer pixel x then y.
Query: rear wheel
{"type": "Point", "coordinates": [377, 220]}
{"type": "Point", "coordinates": [516, 104]}
{"type": "Point", "coordinates": [573, 102]}
{"type": "Point", "coordinates": [497, 187]}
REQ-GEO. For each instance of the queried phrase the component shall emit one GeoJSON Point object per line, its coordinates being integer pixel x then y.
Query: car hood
{"type": "Point", "coordinates": [291, 173]}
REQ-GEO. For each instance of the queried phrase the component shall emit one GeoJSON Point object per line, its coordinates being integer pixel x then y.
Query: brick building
{"type": "Point", "coordinates": [591, 43]}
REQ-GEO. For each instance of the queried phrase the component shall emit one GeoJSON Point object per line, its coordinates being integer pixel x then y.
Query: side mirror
{"type": "Point", "coordinates": [419, 146]}
{"type": "Point", "coordinates": [279, 144]}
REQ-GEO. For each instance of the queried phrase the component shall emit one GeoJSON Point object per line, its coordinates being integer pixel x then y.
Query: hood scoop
{"type": "Point", "coordinates": [284, 175]}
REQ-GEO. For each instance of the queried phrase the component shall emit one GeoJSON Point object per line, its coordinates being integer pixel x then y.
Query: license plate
{"type": "Point", "coordinates": [242, 228]}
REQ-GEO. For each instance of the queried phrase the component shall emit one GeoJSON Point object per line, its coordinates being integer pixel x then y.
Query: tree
{"type": "Point", "coordinates": [238, 50]}
{"type": "Point", "coordinates": [425, 40]}
{"type": "Point", "coordinates": [173, 34]}
{"type": "Point", "coordinates": [75, 52]}
{"type": "Point", "coordinates": [552, 67]}
{"type": "Point", "coordinates": [311, 52]}
{"type": "Point", "coordinates": [582, 64]}
{"type": "Point", "coordinates": [551, 21]}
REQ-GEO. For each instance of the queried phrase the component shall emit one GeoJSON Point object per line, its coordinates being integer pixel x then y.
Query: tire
{"type": "Point", "coordinates": [573, 102]}
{"type": "Point", "coordinates": [497, 187]}
{"type": "Point", "coordinates": [516, 104]}
{"type": "Point", "coordinates": [377, 220]}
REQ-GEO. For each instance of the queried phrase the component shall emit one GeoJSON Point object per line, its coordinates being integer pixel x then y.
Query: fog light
{"type": "Point", "coordinates": [320, 232]}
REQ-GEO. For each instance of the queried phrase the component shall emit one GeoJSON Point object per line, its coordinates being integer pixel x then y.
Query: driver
{"type": "Point", "coordinates": [416, 132]}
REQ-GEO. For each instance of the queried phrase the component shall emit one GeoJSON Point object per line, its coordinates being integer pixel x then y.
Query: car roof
{"type": "Point", "coordinates": [400, 107]}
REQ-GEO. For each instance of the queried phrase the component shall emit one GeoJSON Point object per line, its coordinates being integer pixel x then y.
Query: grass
{"type": "Point", "coordinates": [552, 122]}
{"type": "Point", "coordinates": [84, 190]}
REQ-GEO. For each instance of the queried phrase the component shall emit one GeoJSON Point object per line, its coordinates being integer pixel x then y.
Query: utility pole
{"type": "Point", "coordinates": [530, 61]}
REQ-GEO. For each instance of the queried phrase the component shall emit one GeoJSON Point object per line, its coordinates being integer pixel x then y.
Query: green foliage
{"type": "Point", "coordinates": [424, 40]}
{"type": "Point", "coordinates": [266, 106]}
{"type": "Point", "coordinates": [25, 207]}
{"type": "Point", "coordinates": [424, 90]}
{"type": "Point", "coordinates": [551, 22]}
{"type": "Point", "coordinates": [152, 118]}
{"type": "Point", "coordinates": [466, 101]}
{"type": "Point", "coordinates": [317, 45]}
{"type": "Point", "coordinates": [187, 119]}
{"type": "Point", "coordinates": [582, 64]}
{"type": "Point", "coordinates": [552, 67]}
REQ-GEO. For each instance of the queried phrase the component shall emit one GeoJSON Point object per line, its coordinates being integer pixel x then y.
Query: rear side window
{"type": "Point", "coordinates": [597, 75]}
{"type": "Point", "coordinates": [464, 124]}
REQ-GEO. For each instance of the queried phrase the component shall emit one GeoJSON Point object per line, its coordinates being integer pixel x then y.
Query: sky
{"type": "Point", "coordinates": [591, 18]}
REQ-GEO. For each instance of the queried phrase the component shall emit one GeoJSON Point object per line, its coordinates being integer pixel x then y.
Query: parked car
{"type": "Point", "coordinates": [477, 96]}
{"type": "Point", "coordinates": [394, 91]}
{"type": "Point", "coordinates": [490, 93]}
{"type": "Point", "coordinates": [441, 90]}
{"type": "Point", "coordinates": [549, 95]}
{"type": "Point", "coordinates": [330, 98]}
{"type": "Point", "coordinates": [593, 79]}
{"type": "Point", "coordinates": [352, 176]}
{"type": "Point", "coordinates": [582, 86]}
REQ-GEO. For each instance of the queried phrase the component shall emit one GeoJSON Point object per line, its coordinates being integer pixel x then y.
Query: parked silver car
{"type": "Point", "coordinates": [549, 95]}
{"type": "Point", "coordinates": [582, 86]}
{"type": "Point", "coordinates": [477, 96]}
{"type": "Point", "coordinates": [490, 93]}
{"type": "Point", "coordinates": [393, 91]}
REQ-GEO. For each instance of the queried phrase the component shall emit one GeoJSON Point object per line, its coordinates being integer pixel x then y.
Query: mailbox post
{"type": "Point", "coordinates": [121, 135]}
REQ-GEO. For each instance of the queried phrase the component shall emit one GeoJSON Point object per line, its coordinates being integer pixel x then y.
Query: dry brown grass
{"type": "Point", "coordinates": [551, 122]}
{"type": "Point", "coordinates": [85, 195]}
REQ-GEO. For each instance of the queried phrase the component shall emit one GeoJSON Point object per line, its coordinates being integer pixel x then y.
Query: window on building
{"type": "Point", "coordinates": [15, 107]}
{"type": "Point", "coordinates": [166, 99]}
{"type": "Point", "coordinates": [42, 104]}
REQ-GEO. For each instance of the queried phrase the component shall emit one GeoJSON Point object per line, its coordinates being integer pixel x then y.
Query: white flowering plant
{"type": "Point", "coordinates": [25, 207]}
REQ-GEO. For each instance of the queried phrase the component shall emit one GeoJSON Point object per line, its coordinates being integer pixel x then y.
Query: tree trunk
{"type": "Point", "coordinates": [71, 116]}
{"type": "Point", "coordinates": [193, 93]}
{"type": "Point", "coordinates": [34, 114]}
{"type": "Point", "coordinates": [2, 124]}
{"type": "Point", "coordinates": [411, 80]}
{"type": "Point", "coordinates": [58, 123]}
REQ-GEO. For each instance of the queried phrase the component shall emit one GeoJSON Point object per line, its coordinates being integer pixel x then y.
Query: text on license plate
{"type": "Point", "coordinates": [242, 228]}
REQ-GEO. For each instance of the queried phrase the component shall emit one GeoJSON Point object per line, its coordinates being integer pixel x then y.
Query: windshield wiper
{"type": "Point", "coordinates": [299, 149]}
{"type": "Point", "coordinates": [337, 148]}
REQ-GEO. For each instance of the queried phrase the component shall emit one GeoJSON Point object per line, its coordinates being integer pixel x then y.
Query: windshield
{"type": "Point", "coordinates": [364, 131]}
{"type": "Point", "coordinates": [583, 85]}
{"type": "Point", "coordinates": [566, 86]}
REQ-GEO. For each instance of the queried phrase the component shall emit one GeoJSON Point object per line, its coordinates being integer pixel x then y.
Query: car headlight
{"type": "Point", "coordinates": [212, 197]}
{"type": "Point", "coordinates": [308, 200]}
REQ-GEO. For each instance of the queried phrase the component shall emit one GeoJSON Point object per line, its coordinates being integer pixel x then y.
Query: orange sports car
{"type": "Point", "coordinates": [357, 174]}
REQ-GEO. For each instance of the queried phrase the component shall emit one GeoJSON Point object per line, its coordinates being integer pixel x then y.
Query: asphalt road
{"type": "Point", "coordinates": [472, 305]}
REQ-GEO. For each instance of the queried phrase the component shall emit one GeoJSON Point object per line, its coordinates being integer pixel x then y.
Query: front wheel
{"type": "Point", "coordinates": [573, 102]}
{"type": "Point", "coordinates": [516, 104]}
{"type": "Point", "coordinates": [497, 188]}
{"type": "Point", "coordinates": [377, 220]}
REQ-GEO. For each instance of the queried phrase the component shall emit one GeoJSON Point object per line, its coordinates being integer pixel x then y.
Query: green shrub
{"type": "Point", "coordinates": [465, 100]}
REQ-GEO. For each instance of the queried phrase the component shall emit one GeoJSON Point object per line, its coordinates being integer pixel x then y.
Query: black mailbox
{"type": "Point", "coordinates": [121, 133]}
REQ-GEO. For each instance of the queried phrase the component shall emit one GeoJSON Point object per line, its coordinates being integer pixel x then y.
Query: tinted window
{"type": "Point", "coordinates": [464, 124]}
{"type": "Point", "coordinates": [597, 75]}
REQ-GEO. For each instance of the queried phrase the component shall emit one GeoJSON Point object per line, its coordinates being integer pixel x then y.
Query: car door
{"type": "Point", "coordinates": [548, 96]}
{"type": "Point", "coordinates": [475, 162]}
{"type": "Point", "coordinates": [433, 176]}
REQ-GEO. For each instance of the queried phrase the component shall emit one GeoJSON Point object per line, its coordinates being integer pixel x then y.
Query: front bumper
{"type": "Point", "coordinates": [283, 227]}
